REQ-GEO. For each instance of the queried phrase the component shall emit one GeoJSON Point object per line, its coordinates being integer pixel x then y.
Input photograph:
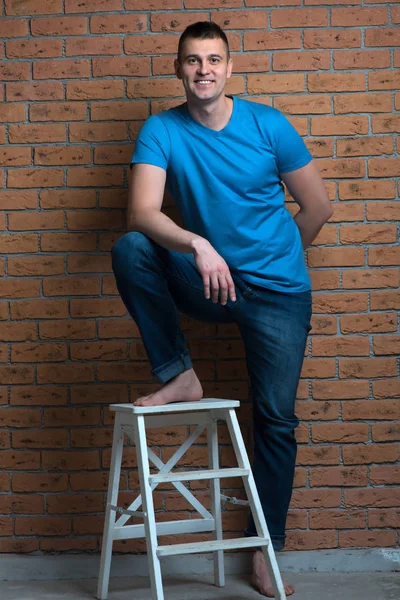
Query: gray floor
{"type": "Point", "coordinates": [316, 586]}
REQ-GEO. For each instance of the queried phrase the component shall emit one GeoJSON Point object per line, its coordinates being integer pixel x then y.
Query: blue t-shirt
{"type": "Point", "coordinates": [227, 187]}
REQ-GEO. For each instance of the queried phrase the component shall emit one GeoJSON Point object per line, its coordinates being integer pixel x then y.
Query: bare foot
{"type": "Point", "coordinates": [261, 579]}
{"type": "Point", "coordinates": [185, 387]}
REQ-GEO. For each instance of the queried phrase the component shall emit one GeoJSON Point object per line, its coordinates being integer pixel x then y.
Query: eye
{"type": "Point", "coordinates": [191, 61]}
{"type": "Point", "coordinates": [214, 60]}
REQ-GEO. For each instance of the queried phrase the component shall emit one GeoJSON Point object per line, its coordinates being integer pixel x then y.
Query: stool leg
{"type": "Point", "coordinates": [215, 489]}
{"type": "Point", "coordinates": [255, 504]}
{"type": "Point", "coordinates": [112, 498]}
{"type": "Point", "coordinates": [148, 509]}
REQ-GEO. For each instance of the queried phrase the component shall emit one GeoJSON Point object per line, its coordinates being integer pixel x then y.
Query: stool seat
{"type": "Point", "coordinates": [132, 421]}
{"type": "Point", "coordinates": [174, 407]}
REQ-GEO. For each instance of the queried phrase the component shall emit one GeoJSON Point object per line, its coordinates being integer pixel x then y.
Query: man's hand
{"type": "Point", "coordinates": [215, 272]}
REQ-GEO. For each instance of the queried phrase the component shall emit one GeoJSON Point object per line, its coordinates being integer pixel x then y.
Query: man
{"type": "Point", "coordinates": [239, 257]}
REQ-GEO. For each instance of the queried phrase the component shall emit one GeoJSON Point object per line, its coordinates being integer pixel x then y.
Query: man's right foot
{"type": "Point", "coordinates": [261, 579]}
{"type": "Point", "coordinates": [185, 387]}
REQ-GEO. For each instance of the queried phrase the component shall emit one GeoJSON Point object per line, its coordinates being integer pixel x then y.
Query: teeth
{"type": "Point", "coordinates": [204, 82]}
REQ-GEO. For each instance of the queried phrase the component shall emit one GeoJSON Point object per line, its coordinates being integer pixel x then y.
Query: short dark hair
{"type": "Point", "coordinates": [203, 30]}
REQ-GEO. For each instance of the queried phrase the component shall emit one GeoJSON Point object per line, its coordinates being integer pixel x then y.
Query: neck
{"type": "Point", "coordinates": [215, 115]}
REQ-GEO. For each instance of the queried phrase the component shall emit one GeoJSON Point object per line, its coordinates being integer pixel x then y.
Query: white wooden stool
{"type": "Point", "coordinates": [133, 420]}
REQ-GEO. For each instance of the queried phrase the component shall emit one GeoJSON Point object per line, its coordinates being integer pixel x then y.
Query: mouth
{"type": "Point", "coordinates": [203, 82]}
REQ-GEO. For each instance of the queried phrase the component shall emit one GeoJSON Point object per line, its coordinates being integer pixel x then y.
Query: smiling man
{"type": "Point", "coordinates": [239, 257]}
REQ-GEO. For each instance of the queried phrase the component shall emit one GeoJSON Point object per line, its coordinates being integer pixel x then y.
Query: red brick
{"type": "Point", "coordinates": [336, 82]}
{"type": "Point", "coordinates": [19, 460]}
{"type": "Point", "coordinates": [40, 438]}
{"type": "Point", "coordinates": [240, 19]}
{"type": "Point", "coordinates": [365, 147]}
{"type": "Point", "coordinates": [299, 104]}
{"type": "Point", "coordinates": [370, 453]}
{"type": "Point", "coordinates": [382, 322]}
{"type": "Point", "coordinates": [87, 263]}
{"type": "Point", "coordinates": [349, 103]}
{"type": "Point", "coordinates": [383, 211]}
{"type": "Point", "coordinates": [10, 157]}
{"type": "Point", "coordinates": [342, 433]}
{"type": "Point", "coordinates": [106, 155]}
{"type": "Point", "coordinates": [59, 26]}
{"type": "Point", "coordinates": [386, 344]}
{"type": "Point", "coordinates": [97, 132]}
{"type": "Point", "coordinates": [39, 352]}
{"type": "Point", "coordinates": [33, 178]}
{"type": "Point", "coordinates": [119, 111]}
{"type": "Point", "coordinates": [37, 133]}
{"type": "Point", "coordinates": [371, 410]}
{"type": "Point", "coordinates": [13, 28]}
{"type": "Point", "coordinates": [58, 460]}
{"type": "Point", "coordinates": [67, 242]}
{"type": "Point", "coordinates": [98, 350]}
{"type": "Point", "coordinates": [123, 328]}
{"type": "Point", "coordinates": [338, 477]}
{"type": "Point", "coordinates": [127, 67]}
{"type": "Point", "coordinates": [300, 61]}
{"type": "Point", "coordinates": [368, 234]}
{"type": "Point", "coordinates": [34, 48]}
{"type": "Point", "coordinates": [385, 301]}
{"type": "Point", "coordinates": [357, 190]}
{"type": "Point", "coordinates": [67, 198]}
{"type": "Point", "coordinates": [20, 417]}
{"type": "Point", "coordinates": [32, 7]}
{"type": "Point", "coordinates": [307, 540]}
{"type": "Point", "coordinates": [339, 125]}
{"type": "Point", "coordinates": [42, 526]}
{"type": "Point", "coordinates": [384, 518]}
{"type": "Point", "coordinates": [20, 92]}
{"type": "Point", "coordinates": [11, 375]}
{"type": "Point", "coordinates": [340, 346]}
{"type": "Point", "coordinates": [37, 395]}
{"type": "Point", "coordinates": [14, 71]}
{"type": "Point", "coordinates": [154, 4]}
{"type": "Point", "coordinates": [39, 309]}
{"type": "Point", "coordinates": [154, 44]}
{"type": "Point", "coordinates": [389, 123]}
{"type": "Point", "coordinates": [62, 155]}
{"type": "Point", "coordinates": [93, 46]}
{"type": "Point", "coordinates": [318, 455]}
{"type": "Point", "coordinates": [372, 497]}
{"type": "Point", "coordinates": [338, 519]}
{"type": "Point", "coordinates": [138, 371]}
{"type": "Point", "coordinates": [75, 503]}
{"type": "Point", "coordinates": [71, 330]}
{"type": "Point", "coordinates": [127, 23]}
{"type": "Point", "coordinates": [248, 63]}
{"type": "Point", "coordinates": [385, 36]}
{"type": "Point", "coordinates": [97, 307]}
{"type": "Point", "coordinates": [58, 111]}
{"type": "Point", "coordinates": [97, 438]}
{"type": "Point", "coordinates": [384, 80]}
{"type": "Point", "coordinates": [4, 482]}
{"type": "Point", "coordinates": [16, 332]}
{"type": "Point", "coordinates": [19, 545]}
{"type": "Point", "coordinates": [332, 39]}
{"type": "Point", "coordinates": [371, 278]}
{"type": "Point", "coordinates": [71, 286]}
{"type": "Point", "coordinates": [367, 367]}
{"type": "Point", "coordinates": [336, 257]}
{"type": "Point", "coordinates": [361, 59]}
{"type": "Point", "coordinates": [61, 69]}
{"type": "Point", "coordinates": [18, 200]}
{"type": "Point", "coordinates": [315, 498]}
{"type": "Point", "coordinates": [20, 221]}
{"type": "Point", "coordinates": [94, 176]}
{"type": "Point", "coordinates": [69, 373]}
{"type": "Point", "coordinates": [386, 389]}
{"type": "Point", "coordinates": [325, 280]}
{"type": "Point", "coordinates": [367, 539]}
{"type": "Point", "coordinates": [388, 475]}
{"type": "Point", "coordinates": [83, 6]}
{"type": "Point", "coordinates": [272, 40]}
{"type": "Point", "coordinates": [154, 88]}
{"type": "Point", "coordinates": [358, 17]}
{"type": "Point", "coordinates": [99, 394]}
{"type": "Point", "coordinates": [383, 167]}
{"type": "Point", "coordinates": [320, 368]}
{"type": "Point", "coordinates": [16, 503]}
{"type": "Point", "coordinates": [175, 22]}
{"type": "Point", "coordinates": [94, 90]}
{"type": "Point", "coordinates": [12, 113]}
{"type": "Point", "coordinates": [339, 302]}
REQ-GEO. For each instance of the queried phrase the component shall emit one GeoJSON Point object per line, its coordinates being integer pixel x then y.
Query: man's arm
{"type": "Point", "coordinates": [146, 191]}
{"type": "Point", "coordinates": [308, 190]}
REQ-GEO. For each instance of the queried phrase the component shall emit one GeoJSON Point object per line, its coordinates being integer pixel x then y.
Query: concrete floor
{"type": "Point", "coordinates": [315, 586]}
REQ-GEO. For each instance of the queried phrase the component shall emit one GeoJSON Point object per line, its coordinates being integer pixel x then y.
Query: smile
{"type": "Point", "coordinates": [203, 82]}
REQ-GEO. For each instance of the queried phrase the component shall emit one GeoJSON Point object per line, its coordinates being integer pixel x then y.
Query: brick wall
{"type": "Point", "coordinates": [78, 79]}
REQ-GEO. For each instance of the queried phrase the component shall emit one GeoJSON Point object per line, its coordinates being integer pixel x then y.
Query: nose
{"type": "Point", "coordinates": [203, 67]}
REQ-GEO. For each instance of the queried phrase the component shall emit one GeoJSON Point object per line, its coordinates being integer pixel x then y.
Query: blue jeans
{"type": "Point", "coordinates": [156, 283]}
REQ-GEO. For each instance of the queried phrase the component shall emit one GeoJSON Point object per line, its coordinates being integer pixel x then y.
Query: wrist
{"type": "Point", "coordinates": [197, 244]}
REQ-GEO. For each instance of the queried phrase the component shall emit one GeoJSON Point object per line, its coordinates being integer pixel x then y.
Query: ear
{"type": "Point", "coordinates": [230, 67]}
{"type": "Point", "coordinates": [177, 67]}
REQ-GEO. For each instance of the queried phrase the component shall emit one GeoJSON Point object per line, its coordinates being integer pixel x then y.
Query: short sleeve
{"type": "Point", "coordinates": [291, 151]}
{"type": "Point", "coordinates": [153, 144]}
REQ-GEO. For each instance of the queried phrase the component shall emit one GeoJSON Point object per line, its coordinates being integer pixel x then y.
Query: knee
{"type": "Point", "coordinates": [129, 249]}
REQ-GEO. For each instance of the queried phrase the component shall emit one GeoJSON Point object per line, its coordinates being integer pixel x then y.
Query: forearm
{"type": "Point", "coordinates": [310, 225]}
{"type": "Point", "coordinates": [160, 228]}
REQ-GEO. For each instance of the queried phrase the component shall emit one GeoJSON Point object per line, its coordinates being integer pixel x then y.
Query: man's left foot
{"type": "Point", "coordinates": [261, 579]}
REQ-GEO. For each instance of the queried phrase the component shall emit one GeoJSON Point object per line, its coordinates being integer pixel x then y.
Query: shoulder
{"type": "Point", "coordinates": [258, 110]}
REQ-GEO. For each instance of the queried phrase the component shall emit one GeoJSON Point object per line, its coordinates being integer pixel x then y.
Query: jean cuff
{"type": "Point", "coordinates": [278, 541]}
{"type": "Point", "coordinates": [173, 367]}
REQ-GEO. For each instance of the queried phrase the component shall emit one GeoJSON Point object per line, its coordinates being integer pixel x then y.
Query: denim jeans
{"type": "Point", "coordinates": [156, 283]}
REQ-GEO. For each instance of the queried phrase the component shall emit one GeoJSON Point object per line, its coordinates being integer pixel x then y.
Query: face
{"type": "Point", "coordinates": [203, 68]}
